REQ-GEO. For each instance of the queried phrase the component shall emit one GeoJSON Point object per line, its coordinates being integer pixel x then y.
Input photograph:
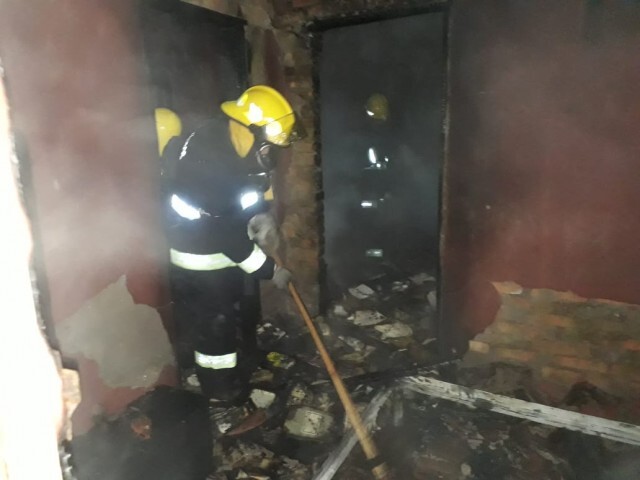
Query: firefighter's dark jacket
{"type": "Point", "coordinates": [204, 171]}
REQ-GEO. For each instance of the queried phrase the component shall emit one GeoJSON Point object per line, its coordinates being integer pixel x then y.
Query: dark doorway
{"type": "Point", "coordinates": [381, 98]}
{"type": "Point", "coordinates": [196, 59]}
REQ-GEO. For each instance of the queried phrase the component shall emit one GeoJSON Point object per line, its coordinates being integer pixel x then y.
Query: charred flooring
{"type": "Point", "coordinates": [293, 420]}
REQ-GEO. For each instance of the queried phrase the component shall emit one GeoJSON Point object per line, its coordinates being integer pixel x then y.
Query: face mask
{"type": "Point", "coordinates": [266, 161]}
{"type": "Point", "coordinates": [260, 149]}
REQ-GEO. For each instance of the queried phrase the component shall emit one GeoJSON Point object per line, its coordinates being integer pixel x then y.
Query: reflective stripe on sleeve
{"type": "Point", "coordinates": [254, 261]}
{"type": "Point", "coordinates": [216, 362]}
{"type": "Point", "coordinates": [183, 152]}
{"type": "Point", "coordinates": [184, 209]}
{"type": "Point", "coordinates": [192, 261]}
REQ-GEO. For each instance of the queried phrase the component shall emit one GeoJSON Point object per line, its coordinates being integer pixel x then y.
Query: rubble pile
{"type": "Point", "coordinates": [422, 437]}
{"type": "Point", "coordinates": [385, 325]}
{"type": "Point", "coordinates": [375, 327]}
{"type": "Point", "coordinates": [379, 326]}
{"type": "Point", "coordinates": [292, 425]}
{"type": "Point", "coordinates": [441, 440]}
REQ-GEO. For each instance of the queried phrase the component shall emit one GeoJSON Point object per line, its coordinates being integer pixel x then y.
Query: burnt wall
{"type": "Point", "coordinates": [77, 95]}
{"type": "Point", "coordinates": [541, 173]}
{"type": "Point", "coordinates": [282, 52]}
{"type": "Point", "coordinates": [542, 168]}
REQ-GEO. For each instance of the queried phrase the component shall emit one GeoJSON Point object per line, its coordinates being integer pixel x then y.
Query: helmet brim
{"type": "Point", "coordinates": [232, 110]}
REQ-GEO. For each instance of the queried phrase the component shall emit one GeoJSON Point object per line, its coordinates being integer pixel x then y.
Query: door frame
{"type": "Point", "coordinates": [185, 12]}
{"type": "Point", "coordinates": [448, 336]}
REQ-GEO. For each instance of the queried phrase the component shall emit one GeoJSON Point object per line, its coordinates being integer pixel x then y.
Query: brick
{"type": "Point", "coordinates": [304, 3]}
{"type": "Point", "coordinates": [518, 302]}
{"type": "Point", "coordinates": [303, 146]}
{"type": "Point", "coordinates": [516, 313]}
{"type": "Point", "coordinates": [613, 329]}
{"type": "Point", "coordinates": [506, 328]}
{"type": "Point", "coordinates": [479, 347]}
{"type": "Point", "coordinates": [633, 345]}
{"type": "Point", "coordinates": [516, 355]}
{"type": "Point", "coordinates": [605, 383]}
{"type": "Point", "coordinates": [517, 330]}
{"type": "Point", "coordinates": [628, 357]}
{"type": "Point", "coordinates": [557, 321]}
{"type": "Point", "coordinates": [626, 372]}
{"type": "Point", "coordinates": [561, 376]}
{"type": "Point", "coordinates": [609, 352]}
{"type": "Point", "coordinates": [583, 364]}
{"type": "Point", "coordinates": [568, 349]}
{"type": "Point", "coordinates": [543, 295]}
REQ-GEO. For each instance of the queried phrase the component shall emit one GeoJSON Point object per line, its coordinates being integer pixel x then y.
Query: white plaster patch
{"type": "Point", "coordinates": [508, 288]}
{"type": "Point", "coordinates": [126, 340]}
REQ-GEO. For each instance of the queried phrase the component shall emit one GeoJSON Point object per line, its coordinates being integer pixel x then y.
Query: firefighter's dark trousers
{"type": "Point", "coordinates": [212, 311]}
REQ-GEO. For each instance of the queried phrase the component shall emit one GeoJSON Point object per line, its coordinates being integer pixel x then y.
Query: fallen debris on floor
{"type": "Point", "coordinates": [308, 423]}
{"type": "Point", "coordinates": [262, 398]}
{"type": "Point", "coordinates": [556, 417]}
{"type": "Point", "coordinates": [361, 292]}
{"type": "Point", "coordinates": [484, 427]}
{"type": "Point", "coordinates": [367, 318]}
{"type": "Point", "coordinates": [337, 457]}
{"type": "Point", "coordinates": [421, 435]}
{"type": "Point", "coordinates": [394, 330]}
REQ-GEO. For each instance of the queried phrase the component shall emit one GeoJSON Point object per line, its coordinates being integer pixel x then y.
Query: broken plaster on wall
{"type": "Point", "coordinates": [257, 13]}
{"type": "Point", "coordinates": [563, 339]}
{"type": "Point", "coordinates": [126, 340]}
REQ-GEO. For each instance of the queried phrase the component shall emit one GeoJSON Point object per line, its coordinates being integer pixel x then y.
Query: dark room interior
{"type": "Point", "coordinates": [320, 239]}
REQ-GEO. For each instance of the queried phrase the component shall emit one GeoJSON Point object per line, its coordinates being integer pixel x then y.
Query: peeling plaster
{"type": "Point", "coordinates": [258, 13]}
{"type": "Point", "coordinates": [127, 341]}
{"type": "Point", "coordinates": [564, 339]}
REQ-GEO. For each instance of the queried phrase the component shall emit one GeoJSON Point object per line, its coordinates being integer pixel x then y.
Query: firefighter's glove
{"type": "Point", "coordinates": [263, 230]}
{"type": "Point", "coordinates": [281, 277]}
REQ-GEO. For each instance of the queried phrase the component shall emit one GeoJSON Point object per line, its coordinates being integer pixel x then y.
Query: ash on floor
{"type": "Point", "coordinates": [294, 421]}
{"type": "Point", "coordinates": [379, 326]}
{"type": "Point", "coordinates": [420, 437]}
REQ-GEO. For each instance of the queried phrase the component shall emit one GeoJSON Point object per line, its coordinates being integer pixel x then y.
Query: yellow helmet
{"type": "Point", "coordinates": [168, 125]}
{"type": "Point", "coordinates": [264, 107]}
{"type": "Point", "coordinates": [378, 107]}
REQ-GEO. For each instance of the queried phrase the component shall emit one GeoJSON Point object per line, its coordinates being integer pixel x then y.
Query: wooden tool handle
{"type": "Point", "coordinates": [380, 470]}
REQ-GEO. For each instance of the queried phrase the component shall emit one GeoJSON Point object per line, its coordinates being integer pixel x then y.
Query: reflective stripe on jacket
{"type": "Point", "coordinates": [217, 261]}
{"type": "Point", "coordinates": [216, 362]}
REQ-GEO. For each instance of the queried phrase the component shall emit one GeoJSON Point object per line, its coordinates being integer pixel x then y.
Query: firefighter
{"type": "Point", "coordinates": [218, 229]}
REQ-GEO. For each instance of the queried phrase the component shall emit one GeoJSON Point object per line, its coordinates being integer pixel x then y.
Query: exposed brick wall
{"type": "Point", "coordinates": [282, 59]}
{"type": "Point", "coordinates": [565, 339]}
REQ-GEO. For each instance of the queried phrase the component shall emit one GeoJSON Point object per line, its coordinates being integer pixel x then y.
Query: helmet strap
{"type": "Point", "coordinates": [265, 160]}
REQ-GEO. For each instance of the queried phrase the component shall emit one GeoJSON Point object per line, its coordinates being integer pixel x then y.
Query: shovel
{"type": "Point", "coordinates": [378, 466]}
